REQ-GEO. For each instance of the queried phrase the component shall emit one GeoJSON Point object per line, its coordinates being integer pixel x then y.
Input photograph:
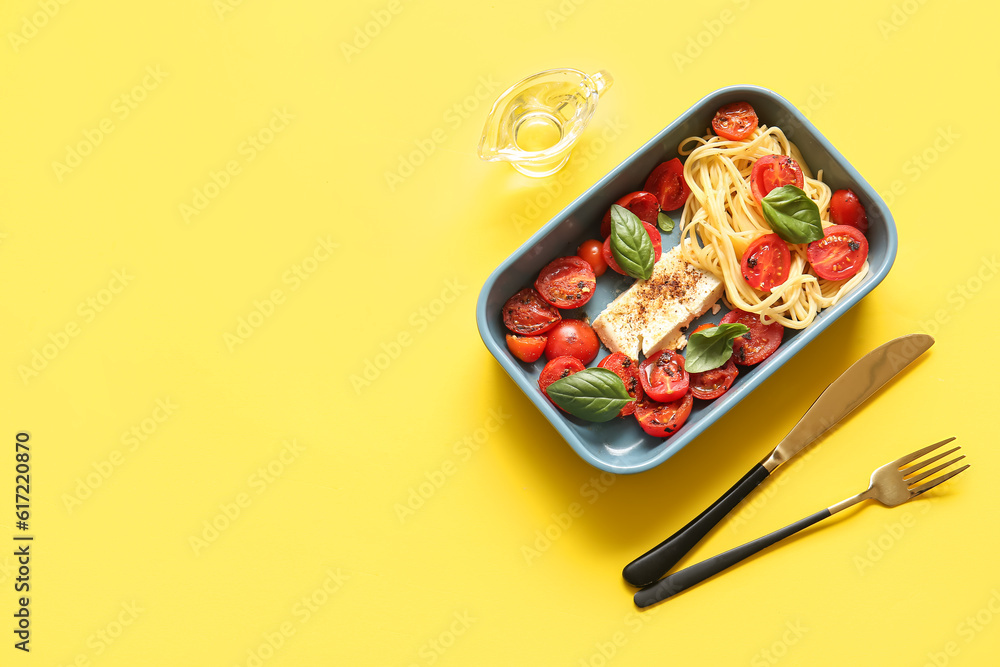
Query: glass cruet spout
{"type": "Point", "coordinates": [536, 122]}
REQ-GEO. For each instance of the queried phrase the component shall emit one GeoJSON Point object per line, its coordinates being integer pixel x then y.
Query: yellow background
{"type": "Point", "coordinates": [316, 556]}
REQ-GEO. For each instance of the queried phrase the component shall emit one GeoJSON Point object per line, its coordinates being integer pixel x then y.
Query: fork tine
{"type": "Point", "coordinates": [920, 452]}
{"type": "Point", "coordinates": [924, 475]}
{"type": "Point", "coordinates": [926, 462]}
{"type": "Point", "coordinates": [927, 486]}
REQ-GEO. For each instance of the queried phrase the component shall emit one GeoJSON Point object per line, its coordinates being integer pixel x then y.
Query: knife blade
{"type": "Point", "coordinates": [839, 399]}
{"type": "Point", "coordinates": [866, 376]}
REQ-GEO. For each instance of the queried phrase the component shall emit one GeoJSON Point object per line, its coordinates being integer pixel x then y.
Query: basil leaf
{"type": "Point", "coordinates": [594, 394]}
{"type": "Point", "coordinates": [630, 244]}
{"type": "Point", "coordinates": [792, 215]}
{"type": "Point", "coordinates": [711, 348]}
{"type": "Point", "coordinates": [665, 222]}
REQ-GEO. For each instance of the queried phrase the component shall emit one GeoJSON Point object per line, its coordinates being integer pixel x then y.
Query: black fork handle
{"type": "Point", "coordinates": [656, 562]}
{"type": "Point", "coordinates": [689, 576]}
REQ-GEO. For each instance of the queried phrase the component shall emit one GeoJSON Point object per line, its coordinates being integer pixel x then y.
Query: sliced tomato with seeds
{"type": "Point", "coordinates": [713, 383]}
{"type": "Point", "coordinates": [527, 348]}
{"type": "Point", "coordinates": [757, 344]}
{"type": "Point", "coordinates": [528, 314]}
{"type": "Point", "coordinates": [628, 370]}
{"type": "Point", "coordinates": [839, 254]}
{"type": "Point", "coordinates": [654, 236]}
{"type": "Point", "coordinates": [567, 282]}
{"type": "Point", "coordinates": [644, 204]}
{"type": "Point", "coordinates": [668, 184]}
{"type": "Point", "coordinates": [663, 419]}
{"type": "Point", "coordinates": [557, 369]}
{"type": "Point", "coordinates": [773, 171]}
{"type": "Point", "coordinates": [847, 209]}
{"type": "Point", "coordinates": [766, 263]}
{"type": "Point", "coordinates": [663, 376]}
{"type": "Point", "coordinates": [735, 121]}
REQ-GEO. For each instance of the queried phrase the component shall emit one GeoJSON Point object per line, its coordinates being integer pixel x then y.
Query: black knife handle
{"type": "Point", "coordinates": [656, 562]}
{"type": "Point", "coordinates": [689, 576]}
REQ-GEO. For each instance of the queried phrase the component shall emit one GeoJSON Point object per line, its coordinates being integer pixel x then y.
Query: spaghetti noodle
{"type": "Point", "coordinates": [721, 218]}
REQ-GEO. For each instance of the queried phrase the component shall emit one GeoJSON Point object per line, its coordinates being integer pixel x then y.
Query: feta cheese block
{"type": "Point", "coordinates": [650, 314]}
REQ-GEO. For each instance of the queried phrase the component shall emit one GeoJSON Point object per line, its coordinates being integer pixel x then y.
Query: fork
{"type": "Point", "coordinates": [892, 484]}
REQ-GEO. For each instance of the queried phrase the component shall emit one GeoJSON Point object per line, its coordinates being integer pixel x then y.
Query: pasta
{"type": "Point", "coordinates": [721, 218]}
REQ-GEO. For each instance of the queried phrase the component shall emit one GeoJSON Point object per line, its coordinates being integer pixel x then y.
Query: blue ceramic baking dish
{"type": "Point", "coordinates": [620, 446]}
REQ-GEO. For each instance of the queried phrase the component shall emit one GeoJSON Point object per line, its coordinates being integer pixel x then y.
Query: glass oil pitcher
{"type": "Point", "coordinates": [536, 122]}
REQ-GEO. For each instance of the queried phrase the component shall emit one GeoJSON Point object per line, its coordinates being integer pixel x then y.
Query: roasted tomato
{"type": "Point", "coordinates": [654, 236]}
{"type": "Point", "coordinates": [839, 254]}
{"type": "Point", "coordinates": [663, 376]}
{"type": "Point", "coordinates": [715, 382]}
{"type": "Point", "coordinates": [773, 171]}
{"type": "Point", "coordinates": [527, 348]}
{"type": "Point", "coordinates": [766, 262]}
{"type": "Point", "coordinates": [526, 313]}
{"type": "Point", "coordinates": [735, 121]}
{"type": "Point", "coordinates": [557, 369]}
{"type": "Point", "coordinates": [757, 344]}
{"type": "Point", "coordinates": [668, 184]}
{"type": "Point", "coordinates": [628, 370]}
{"type": "Point", "coordinates": [567, 282]}
{"type": "Point", "coordinates": [644, 204]}
{"type": "Point", "coordinates": [663, 419]}
{"type": "Point", "coordinates": [573, 338]}
{"type": "Point", "coordinates": [593, 252]}
{"type": "Point", "coordinates": [846, 209]}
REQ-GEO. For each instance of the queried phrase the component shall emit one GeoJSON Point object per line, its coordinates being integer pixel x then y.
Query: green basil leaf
{"type": "Point", "coordinates": [792, 215]}
{"type": "Point", "coordinates": [711, 348]}
{"type": "Point", "coordinates": [594, 394]}
{"type": "Point", "coordinates": [665, 222]}
{"type": "Point", "coordinates": [630, 244]}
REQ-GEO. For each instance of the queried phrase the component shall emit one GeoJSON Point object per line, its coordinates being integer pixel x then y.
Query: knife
{"type": "Point", "coordinates": [837, 401]}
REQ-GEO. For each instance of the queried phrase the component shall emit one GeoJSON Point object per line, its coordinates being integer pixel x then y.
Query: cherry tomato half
{"type": "Point", "coordinates": [846, 209]}
{"type": "Point", "coordinates": [715, 382]}
{"type": "Point", "coordinates": [628, 370]}
{"type": "Point", "coordinates": [567, 282]}
{"type": "Point", "coordinates": [644, 204]}
{"type": "Point", "coordinates": [839, 254]}
{"type": "Point", "coordinates": [557, 369]}
{"type": "Point", "coordinates": [773, 171]}
{"type": "Point", "coordinates": [663, 376]}
{"type": "Point", "coordinates": [668, 184]}
{"type": "Point", "coordinates": [592, 251]}
{"type": "Point", "coordinates": [526, 313]}
{"type": "Point", "coordinates": [735, 121]}
{"type": "Point", "coordinates": [757, 344]}
{"type": "Point", "coordinates": [526, 348]}
{"type": "Point", "coordinates": [663, 419]}
{"type": "Point", "coordinates": [572, 338]}
{"type": "Point", "coordinates": [767, 262]}
{"type": "Point", "coordinates": [654, 236]}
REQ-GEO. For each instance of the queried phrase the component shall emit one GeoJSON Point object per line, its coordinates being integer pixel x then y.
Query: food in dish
{"type": "Point", "coordinates": [628, 370]}
{"type": "Point", "coordinates": [650, 315]}
{"type": "Point", "coordinates": [735, 178]}
{"type": "Point", "coordinates": [663, 376]}
{"type": "Point", "coordinates": [756, 226]}
{"type": "Point", "coordinates": [527, 314]}
{"type": "Point", "coordinates": [758, 343]}
{"type": "Point", "coordinates": [572, 338]}
{"type": "Point", "coordinates": [557, 369]}
{"type": "Point", "coordinates": [527, 348]}
{"type": "Point", "coordinates": [567, 282]}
